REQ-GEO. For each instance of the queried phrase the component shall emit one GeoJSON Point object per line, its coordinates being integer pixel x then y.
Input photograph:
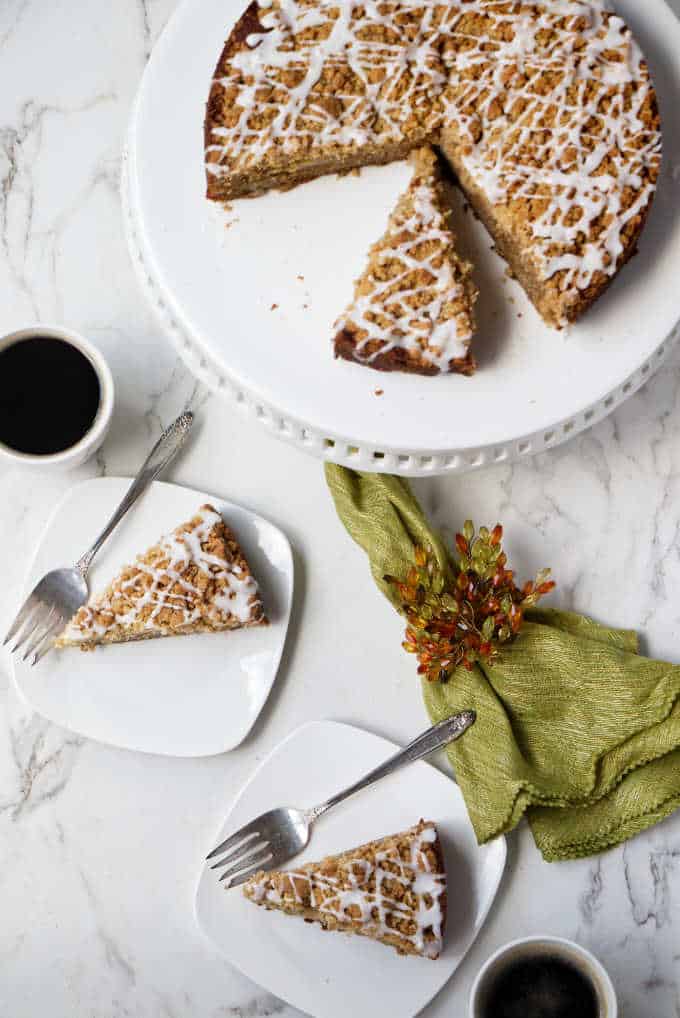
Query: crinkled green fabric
{"type": "Point", "coordinates": [574, 727]}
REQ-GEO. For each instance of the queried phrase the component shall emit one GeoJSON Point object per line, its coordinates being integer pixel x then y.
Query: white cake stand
{"type": "Point", "coordinates": [249, 295]}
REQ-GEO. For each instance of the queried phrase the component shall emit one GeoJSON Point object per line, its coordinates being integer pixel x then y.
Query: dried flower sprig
{"type": "Point", "coordinates": [454, 622]}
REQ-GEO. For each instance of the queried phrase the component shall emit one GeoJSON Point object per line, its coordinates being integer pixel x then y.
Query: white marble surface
{"type": "Point", "coordinates": [99, 848]}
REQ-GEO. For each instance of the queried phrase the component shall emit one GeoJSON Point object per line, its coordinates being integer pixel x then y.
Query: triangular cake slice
{"type": "Point", "coordinates": [413, 305]}
{"type": "Point", "coordinates": [392, 890]}
{"type": "Point", "coordinates": [194, 580]}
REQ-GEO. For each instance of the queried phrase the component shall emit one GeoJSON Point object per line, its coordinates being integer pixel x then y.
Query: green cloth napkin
{"type": "Point", "coordinates": [573, 728]}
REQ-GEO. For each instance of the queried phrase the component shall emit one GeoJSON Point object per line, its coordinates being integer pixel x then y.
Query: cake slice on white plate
{"type": "Point", "coordinates": [194, 580]}
{"type": "Point", "coordinates": [392, 890]}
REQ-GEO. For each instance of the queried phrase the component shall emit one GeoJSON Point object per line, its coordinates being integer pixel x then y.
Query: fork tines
{"type": "Point", "coordinates": [243, 853]}
{"type": "Point", "coordinates": [35, 628]}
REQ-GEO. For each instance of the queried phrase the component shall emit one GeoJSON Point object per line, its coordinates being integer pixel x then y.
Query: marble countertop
{"type": "Point", "coordinates": [99, 848]}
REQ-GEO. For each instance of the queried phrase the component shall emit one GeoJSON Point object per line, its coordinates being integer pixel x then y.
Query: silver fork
{"type": "Point", "coordinates": [61, 592]}
{"type": "Point", "coordinates": [275, 837]}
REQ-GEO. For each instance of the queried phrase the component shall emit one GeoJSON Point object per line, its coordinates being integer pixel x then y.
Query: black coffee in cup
{"type": "Point", "coordinates": [545, 986]}
{"type": "Point", "coordinates": [49, 395]}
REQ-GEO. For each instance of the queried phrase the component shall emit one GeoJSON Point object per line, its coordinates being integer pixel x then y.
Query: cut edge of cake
{"type": "Point", "coordinates": [409, 865]}
{"type": "Point", "coordinates": [391, 325]}
{"type": "Point", "coordinates": [193, 580]}
{"type": "Point", "coordinates": [557, 307]}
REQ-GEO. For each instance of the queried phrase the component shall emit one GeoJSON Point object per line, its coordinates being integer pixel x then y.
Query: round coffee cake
{"type": "Point", "coordinates": [545, 111]}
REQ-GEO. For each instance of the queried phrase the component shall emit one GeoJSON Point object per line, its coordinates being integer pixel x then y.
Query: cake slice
{"type": "Point", "coordinates": [194, 580]}
{"type": "Point", "coordinates": [412, 307]}
{"type": "Point", "coordinates": [392, 890]}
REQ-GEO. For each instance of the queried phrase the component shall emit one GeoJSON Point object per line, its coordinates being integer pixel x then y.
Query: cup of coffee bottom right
{"type": "Point", "coordinates": [543, 977]}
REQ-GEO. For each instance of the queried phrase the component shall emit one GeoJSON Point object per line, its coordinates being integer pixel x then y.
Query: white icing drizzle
{"type": "Point", "coordinates": [376, 907]}
{"type": "Point", "coordinates": [386, 314]}
{"type": "Point", "coordinates": [546, 100]}
{"type": "Point", "coordinates": [164, 583]}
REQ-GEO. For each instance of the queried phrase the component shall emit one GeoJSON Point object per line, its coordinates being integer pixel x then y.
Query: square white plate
{"type": "Point", "coordinates": [185, 696]}
{"type": "Point", "coordinates": [331, 975]}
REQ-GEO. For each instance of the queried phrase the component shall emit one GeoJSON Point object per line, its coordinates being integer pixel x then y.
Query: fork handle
{"type": "Point", "coordinates": [434, 738]}
{"type": "Point", "coordinates": [165, 450]}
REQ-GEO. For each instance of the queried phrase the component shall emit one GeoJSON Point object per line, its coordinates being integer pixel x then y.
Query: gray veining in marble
{"type": "Point", "coordinates": [99, 848]}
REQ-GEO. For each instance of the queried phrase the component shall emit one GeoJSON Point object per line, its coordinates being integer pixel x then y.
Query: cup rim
{"type": "Point", "coordinates": [104, 413]}
{"type": "Point", "coordinates": [564, 942]}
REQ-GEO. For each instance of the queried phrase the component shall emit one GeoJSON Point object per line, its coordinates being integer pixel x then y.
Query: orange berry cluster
{"type": "Point", "coordinates": [455, 620]}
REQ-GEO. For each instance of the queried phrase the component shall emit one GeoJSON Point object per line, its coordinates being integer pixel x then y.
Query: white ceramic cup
{"type": "Point", "coordinates": [76, 454]}
{"type": "Point", "coordinates": [553, 947]}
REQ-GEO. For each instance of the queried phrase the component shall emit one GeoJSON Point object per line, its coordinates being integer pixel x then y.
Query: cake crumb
{"type": "Point", "coordinates": [273, 307]}
{"type": "Point", "coordinates": [379, 392]}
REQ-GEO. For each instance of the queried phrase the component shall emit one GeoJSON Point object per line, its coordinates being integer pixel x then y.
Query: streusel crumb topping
{"type": "Point", "coordinates": [548, 105]}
